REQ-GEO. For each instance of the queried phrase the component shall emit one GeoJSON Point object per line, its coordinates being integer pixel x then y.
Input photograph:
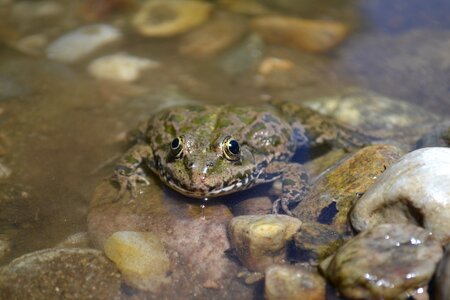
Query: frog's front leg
{"type": "Point", "coordinates": [128, 172]}
{"type": "Point", "coordinates": [295, 185]}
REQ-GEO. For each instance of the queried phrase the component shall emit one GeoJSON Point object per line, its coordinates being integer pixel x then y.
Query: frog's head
{"type": "Point", "coordinates": [199, 167]}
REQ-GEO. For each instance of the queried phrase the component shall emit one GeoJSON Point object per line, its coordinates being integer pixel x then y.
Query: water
{"type": "Point", "coordinates": [60, 130]}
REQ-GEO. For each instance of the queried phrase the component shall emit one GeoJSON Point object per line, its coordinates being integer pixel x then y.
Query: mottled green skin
{"type": "Point", "coordinates": [267, 143]}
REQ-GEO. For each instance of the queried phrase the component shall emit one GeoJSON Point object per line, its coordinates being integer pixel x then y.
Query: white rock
{"type": "Point", "coordinates": [416, 189]}
{"type": "Point", "coordinates": [82, 42]}
{"type": "Point", "coordinates": [120, 66]}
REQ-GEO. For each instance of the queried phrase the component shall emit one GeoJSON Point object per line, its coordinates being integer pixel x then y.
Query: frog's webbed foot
{"type": "Point", "coordinates": [295, 187]}
{"type": "Point", "coordinates": [129, 181]}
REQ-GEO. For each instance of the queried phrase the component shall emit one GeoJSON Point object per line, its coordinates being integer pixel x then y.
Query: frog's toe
{"type": "Point", "coordinates": [283, 205]}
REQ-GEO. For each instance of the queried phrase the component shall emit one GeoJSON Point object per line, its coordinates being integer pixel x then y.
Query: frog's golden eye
{"type": "Point", "coordinates": [231, 148]}
{"type": "Point", "coordinates": [176, 147]}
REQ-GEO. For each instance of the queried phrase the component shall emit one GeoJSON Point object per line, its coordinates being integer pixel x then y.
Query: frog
{"type": "Point", "coordinates": [204, 151]}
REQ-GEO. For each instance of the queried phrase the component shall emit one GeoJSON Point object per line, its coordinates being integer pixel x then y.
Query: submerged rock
{"type": "Point", "coordinates": [260, 241]}
{"type": "Point", "coordinates": [194, 239]}
{"type": "Point", "coordinates": [60, 273]}
{"type": "Point", "coordinates": [120, 67]}
{"type": "Point", "coordinates": [335, 191]}
{"type": "Point", "coordinates": [414, 190]}
{"type": "Point", "coordinates": [389, 261]}
{"type": "Point", "coordinates": [315, 241]}
{"type": "Point", "coordinates": [81, 42]}
{"type": "Point", "coordinates": [293, 282]}
{"type": "Point", "coordinates": [308, 35]}
{"type": "Point", "coordinates": [165, 18]}
{"type": "Point", "coordinates": [377, 115]}
{"type": "Point", "coordinates": [213, 37]}
{"type": "Point", "coordinates": [141, 258]}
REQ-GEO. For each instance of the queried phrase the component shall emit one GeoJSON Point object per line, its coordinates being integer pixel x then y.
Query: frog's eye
{"type": "Point", "coordinates": [231, 148]}
{"type": "Point", "coordinates": [176, 147]}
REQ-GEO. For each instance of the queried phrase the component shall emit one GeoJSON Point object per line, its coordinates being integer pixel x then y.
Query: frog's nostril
{"type": "Point", "coordinates": [190, 165]}
{"type": "Point", "coordinates": [209, 163]}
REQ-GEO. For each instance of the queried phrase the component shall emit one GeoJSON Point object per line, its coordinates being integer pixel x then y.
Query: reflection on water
{"type": "Point", "coordinates": [61, 128]}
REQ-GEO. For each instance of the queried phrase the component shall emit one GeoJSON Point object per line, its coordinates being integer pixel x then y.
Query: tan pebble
{"type": "Point", "coordinates": [272, 64]}
{"type": "Point", "coordinates": [307, 35]}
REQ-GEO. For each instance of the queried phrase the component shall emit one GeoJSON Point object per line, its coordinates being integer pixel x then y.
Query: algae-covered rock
{"type": "Point", "coordinates": [334, 193]}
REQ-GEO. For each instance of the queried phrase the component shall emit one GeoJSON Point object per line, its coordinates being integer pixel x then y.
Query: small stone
{"type": "Point", "coordinates": [60, 274]}
{"type": "Point", "coordinates": [389, 261]}
{"type": "Point", "coordinates": [413, 190]}
{"type": "Point", "coordinates": [335, 191]}
{"type": "Point", "coordinates": [120, 67]}
{"type": "Point", "coordinates": [165, 18]}
{"type": "Point", "coordinates": [307, 35]}
{"type": "Point", "coordinates": [32, 44]}
{"type": "Point", "coordinates": [260, 241]}
{"type": "Point", "coordinates": [274, 64]}
{"type": "Point", "coordinates": [81, 42]}
{"type": "Point", "coordinates": [292, 283]}
{"type": "Point", "coordinates": [213, 37]}
{"type": "Point", "coordinates": [141, 258]}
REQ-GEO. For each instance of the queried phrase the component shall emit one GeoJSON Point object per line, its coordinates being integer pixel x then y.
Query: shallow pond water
{"type": "Point", "coordinates": [61, 129]}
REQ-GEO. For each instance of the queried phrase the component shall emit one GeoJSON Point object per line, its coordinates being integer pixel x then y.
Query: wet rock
{"type": "Point", "coordinates": [315, 241]}
{"type": "Point", "coordinates": [441, 283]}
{"type": "Point", "coordinates": [165, 18]}
{"type": "Point", "coordinates": [243, 57]}
{"type": "Point", "coordinates": [141, 258]}
{"type": "Point", "coordinates": [307, 35]}
{"type": "Point", "coordinates": [439, 136]}
{"type": "Point", "coordinates": [413, 190]}
{"type": "Point", "coordinates": [60, 273]}
{"type": "Point", "coordinates": [335, 191]}
{"type": "Point", "coordinates": [195, 240]}
{"type": "Point", "coordinates": [213, 37]}
{"type": "Point", "coordinates": [375, 114]}
{"type": "Point", "coordinates": [120, 67]}
{"type": "Point", "coordinates": [293, 282]}
{"type": "Point", "coordinates": [76, 240]}
{"type": "Point", "coordinates": [81, 42]}
{"type": "Point", "coordinates": [389, 261]}
{"type": "Point", "coordinates": [260, 241]}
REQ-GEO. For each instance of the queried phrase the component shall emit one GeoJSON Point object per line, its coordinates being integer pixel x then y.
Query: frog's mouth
{"type": "Point", "coordinates": [212, 191]}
